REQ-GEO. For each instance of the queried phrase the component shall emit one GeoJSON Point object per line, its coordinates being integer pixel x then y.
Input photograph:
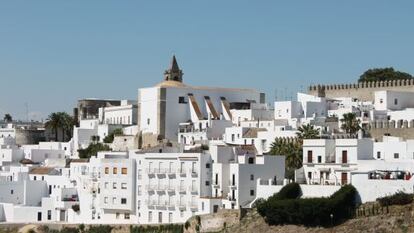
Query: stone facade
{"type": "Point", "coordinates": [363, 91]}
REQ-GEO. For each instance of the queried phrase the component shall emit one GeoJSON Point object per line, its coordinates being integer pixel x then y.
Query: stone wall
{"type": "Point", "coordinates": [399, 128]}
{"type": "Point", "coordinates": [363, 91]}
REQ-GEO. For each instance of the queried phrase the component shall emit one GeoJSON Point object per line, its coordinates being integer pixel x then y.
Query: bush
{"type": "Point", "coordinates": [99, 229]}
{"type": "Point", "coordinates": [399, 198]}
{"type": "Point", "coordinates": [92, 150]}
{"type": "Point", "coordinates": [289, 191]}
{"type": "Point", "coordinates": [285, 208]}
{"type": "Point", "coordinates": [170, 228]}
{"type": "Point", "coordinates": [75, 208]}
{"type": "Point", "coordinates": [111, 136]}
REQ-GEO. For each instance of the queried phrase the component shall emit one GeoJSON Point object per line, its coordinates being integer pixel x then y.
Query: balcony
{"type": "Point", "coordinates": [194, 191]}
{"type": "Point", "coordinates": [216, 185]}
{"type": "Point", "coordinates": [181, 205]}
{"type": "Point", "coordinates": [232, 185]}
{"type": "Point", "coordinates": [193, 172]}
{"type": "Point", "coordinates": [181, 189]}
{"type": "Point", "coordinates": [193, 206]}
{"type": "Point", "coordinates": [182, 172]}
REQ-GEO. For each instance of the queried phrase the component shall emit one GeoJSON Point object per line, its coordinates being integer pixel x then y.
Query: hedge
{"type": "Point", "coordinates": [309, 212]}
{"type": "Point", "coordinates": [399, 198]}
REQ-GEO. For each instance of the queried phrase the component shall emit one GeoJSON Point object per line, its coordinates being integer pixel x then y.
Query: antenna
{"type": "Point", "coordinates": [26, 105]}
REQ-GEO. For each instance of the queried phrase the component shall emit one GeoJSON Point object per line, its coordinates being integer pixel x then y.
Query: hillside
{"type": "Point", "coordinates": [399, 219]}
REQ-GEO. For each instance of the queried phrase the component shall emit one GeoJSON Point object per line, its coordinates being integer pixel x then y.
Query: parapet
{"type": "Point", "coordinates": [373, 84]}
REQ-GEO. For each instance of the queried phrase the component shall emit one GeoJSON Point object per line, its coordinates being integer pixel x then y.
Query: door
{"type": "Point", "coordinates": [344, 178]}
{"type": "Point", "coordinates": [39, 216]}
{"type": "Point", "coordinates": [310, 156]}
{"type": "Point", "coordinates": [159, 217]}
{"type": "Point", "coordinates": [62, 215]}
{"type": "Point", "coordinates": [344, 156]}
{"type": "Point", "coordinates": [215, 208]}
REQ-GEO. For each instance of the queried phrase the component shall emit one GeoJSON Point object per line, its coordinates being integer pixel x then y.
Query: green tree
{"type": "Point", "coordinates": [307, 131]}
{"type": "Point", "coordinates": [350, 124]}
{"type": "Point", "coordinates": [383, 74]}
{"type": "Point", "coordinates": [60, 121]}
{"type": "Point", "coordinates": [110, 137]}
{"type": "Point", "coordinates": [7, 118]}
{"type": "Point", "coordinates": [92, 150]}
{"type": "Point", "coordinates": [292, 150]}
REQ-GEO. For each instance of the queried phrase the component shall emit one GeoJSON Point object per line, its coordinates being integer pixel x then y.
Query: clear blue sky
{"type": "Point", "coordinates": [55, 52]}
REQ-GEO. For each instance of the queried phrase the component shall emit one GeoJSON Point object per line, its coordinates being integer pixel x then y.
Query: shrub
{"type": "Point", "coordinates": [399, 198]}
{"type": "Point", "coordinates": [170, 228]}
{"type": "Point", "coordinates": [111, 136]}
{"type": "Point", "coordinates": [92, 150]}
{"type": "Point", "coordinates": [289, 191]}
{"type": "Point", "coordinates": [75, 208]}
{"type": "Point", "coordinates": [285, 208]}
{"type": "Point", "coordinates": [99, 229]}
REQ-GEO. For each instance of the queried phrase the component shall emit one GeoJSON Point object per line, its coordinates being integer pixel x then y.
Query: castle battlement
{"type": "Point", "coordinates": [373, 84]}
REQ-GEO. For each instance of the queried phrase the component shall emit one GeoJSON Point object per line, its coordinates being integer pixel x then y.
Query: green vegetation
{"type": "Point", "coordinates": [92, 150]}
{"type": "Point", "coordinates": [80, 229]}
{"type": "Point", "coordinates": [170, 228]}
{"type": "Point", "coordinates": [60, 121]}
{"type": "Point", "coordinates": [399, 198]}
{"type": "Point", "coordinates": [76, 208]}
{"type": "Point", "coordinates": [110, 137]}
{"type": "Point", "coordinates": [383, 74]}
{"type": "Point", "coordinates": [7, 118]}
{"type": "Point", "coordinates": [307, 132]}
{"type": "Point", "coordinates": [350, 124]}
{"type": "Point", "coordinates": [292, 149]}
{"type": "Point", "coordinates": [285, 207]}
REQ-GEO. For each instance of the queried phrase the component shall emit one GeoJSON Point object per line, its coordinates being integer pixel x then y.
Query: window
{"type": "Point", "coordinates": [139, 190]}
{"type": "Point", "coordinates": [139, 174]}
{"type": "Point", "coordinates": [310, 156]}
{"type": "Point", "coordinates": [396, 155]}
{"type": "Point", "coordinates": [170, 216]}
{"type": "Point", "coordinates": [251, 177]}
{"type": "Point", "coordinates": [106, 170]}
{"type": "Point", "coordinates": [150, 216]}
{"type": "Point", "coordinates": [114, 200]}
{"type": "Point", "coordinates": [114, 185]}
{"type": "Point", "coordinates": [115, 170]}
{"type": "Point", "coordinates": [344, 156]}
{"type": "Point", "coordinates": [148, 121]}
{"type": "Point", "coordinates": [378, 154]}
{"type": "Point", "coordinates": [181, 100]}
{"type": "Point", "coordinates": [123, 201]}
{"type": "Point", "coordinates": [117, 215]}
{"type": "Point", "coordinates": [11, 191]}
{"type": "Point", "coordinates": [123, 186]}
{"type": "Point", "coordinates": [106, 200]}
{"type": "Point", "coordinates": [207, 165]}
{"type": "Point", "coordinates": [319, 159]}
{"type": "Point", "coordinates": [381, 101]}
{"type": "Point", "coordinates": [181, 213]}
{"type": "Point", "coordinates": [124, 171]}
{"type": "Point", "coordinates": [251, 192]}
{"type": "Point", "coordinates": [126, 216]}
{"type": "Point", "coordinates": [106, 185]}
{"type": "Point", "coordinates": [395, 101]}
{"type": "Point", "coordinates": [49, 215]}
{"type": "Point", "coordinates": [139, 204]}
{"type": "Point", "coordinates": [232, 137]}
{"type": "Point", "coordinates": [207, 183]}
{"type": "Point", "coordinates": [34, 178]}
{"type": "Point", "coordinates": [202, 206]}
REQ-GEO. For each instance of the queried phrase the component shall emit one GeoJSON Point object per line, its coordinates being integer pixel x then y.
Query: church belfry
{"type": "Point", "coordinates": [173, 73]}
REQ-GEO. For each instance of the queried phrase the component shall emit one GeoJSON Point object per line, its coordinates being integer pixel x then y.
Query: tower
{"type": "Point", "coordinates": [173, 73]}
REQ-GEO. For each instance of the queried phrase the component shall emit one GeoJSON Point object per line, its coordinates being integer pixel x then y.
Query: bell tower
{"type": "Point", "coordinates": [173, 73]}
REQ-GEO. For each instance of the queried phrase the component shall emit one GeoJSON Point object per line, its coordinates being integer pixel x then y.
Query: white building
{"type": "Point", "coordinates": [162, 108]}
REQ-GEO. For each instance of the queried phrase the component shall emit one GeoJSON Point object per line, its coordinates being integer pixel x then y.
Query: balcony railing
{"type": "Point", "coordinates": [181, 189]}
{"type": "Point", "coordinates": [193, 172]}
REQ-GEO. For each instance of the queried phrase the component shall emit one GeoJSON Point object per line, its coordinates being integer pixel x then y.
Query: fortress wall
{"type": "Point", "coordinates": [363, 91]}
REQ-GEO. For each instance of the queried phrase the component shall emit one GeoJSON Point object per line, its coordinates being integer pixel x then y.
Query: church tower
{"type": "Point", "coordinates": [173, 73]}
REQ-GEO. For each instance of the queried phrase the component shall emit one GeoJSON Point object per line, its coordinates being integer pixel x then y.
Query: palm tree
{"type": "Point", "coordinates": [59, 120]}
{"type": "Point", "coordinates": [350, 124]}
{"type": "Point", "coordinates": [307, 131]}
{"type": "Point", "coordinates": [53, 122]}
{"type": "Point", "coordinates": [7, 118]}
{"type": "Point", "coordinates": [291, 149]}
